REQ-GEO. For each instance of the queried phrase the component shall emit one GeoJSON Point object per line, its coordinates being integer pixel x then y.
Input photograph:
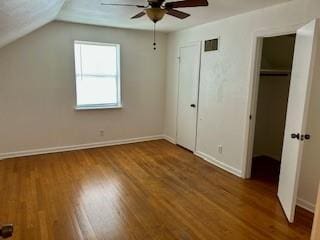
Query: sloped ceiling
{"type": "Point", "coordinates": [20, 17]}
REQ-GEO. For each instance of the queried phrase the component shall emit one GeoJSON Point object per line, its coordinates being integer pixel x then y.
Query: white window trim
{"type": "Point", "coordinates": [119, 97]}
{"type": "Point", "coordinates": [98, 106]}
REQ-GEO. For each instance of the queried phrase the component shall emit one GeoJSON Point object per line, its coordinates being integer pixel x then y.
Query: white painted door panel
{"type": "Point", "coordinates": [189, 71]}
{"type": "Point", "coordinates": [301, 80]}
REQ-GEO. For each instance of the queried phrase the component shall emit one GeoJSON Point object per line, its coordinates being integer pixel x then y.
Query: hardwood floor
{"type": "Point", "coordinates": [152, 190]}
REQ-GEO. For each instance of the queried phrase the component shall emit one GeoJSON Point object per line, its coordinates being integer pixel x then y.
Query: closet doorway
{"type": "Point", "coordinates": [295, 133]}
{"type": "Point", "coordinates": [273, 93]}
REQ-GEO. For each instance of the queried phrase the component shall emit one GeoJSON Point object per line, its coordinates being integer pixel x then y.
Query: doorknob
{"type": "Point", "coordinates": [193, 105]}
{"type": "Point", "coordinates": [305, 137]}
{"type": "Point", "coordinates": [295, 135]}
{"type": "Point", "coordinates": [301, 137]}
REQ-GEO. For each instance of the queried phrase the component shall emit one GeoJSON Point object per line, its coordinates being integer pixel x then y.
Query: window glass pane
{"type": "Point", "coordinates": [96, 90]}
{"type": "Point", "coordinates": [97, 74]}
{"type": "Point", "coordinates": [99, 60]}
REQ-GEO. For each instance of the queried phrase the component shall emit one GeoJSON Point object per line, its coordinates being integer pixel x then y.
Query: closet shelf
{"type": "Point", "coordinates": [275, 72]}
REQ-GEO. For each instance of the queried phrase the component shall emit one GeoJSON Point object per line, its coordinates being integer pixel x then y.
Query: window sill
{"type": "Point", "coordinates": [80, 108]}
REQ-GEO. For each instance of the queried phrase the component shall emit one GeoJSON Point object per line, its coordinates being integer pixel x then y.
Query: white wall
{"type": "Point", "coordinates": [37, 88]}
{"type": "Point", "coordinates": [225, 84]}
{"type": "Point", "coordinates": [271, 116]}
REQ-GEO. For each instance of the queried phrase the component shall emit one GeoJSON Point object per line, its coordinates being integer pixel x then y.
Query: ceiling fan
{"type": "Point", "coordinates": [156, 9]}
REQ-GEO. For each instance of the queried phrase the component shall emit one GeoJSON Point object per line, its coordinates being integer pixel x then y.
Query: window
{"type": "Point", "coordinates": [97, 67]}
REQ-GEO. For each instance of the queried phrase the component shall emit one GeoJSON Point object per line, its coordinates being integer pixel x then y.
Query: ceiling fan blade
{"type": "Point", "coordinates": [186, 3]}
{"type": "Point", "coordinates": [123, 5]}
{"type": "Point", "coordinates": [139, 15]}
{"type": "Point", "coordinates": [178, 14]}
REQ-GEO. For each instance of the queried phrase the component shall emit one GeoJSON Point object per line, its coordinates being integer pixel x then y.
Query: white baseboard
{"type": "Point", "coordinates": [77, 147]}
{"type": "Point", "coordinates": [169, 139]}
{"type": "Point", "coordinates": [219, 164]}
{"type": "Point", "coordinates": [111, 143]}
{"type": "Point", "coordinates": [306, 205]}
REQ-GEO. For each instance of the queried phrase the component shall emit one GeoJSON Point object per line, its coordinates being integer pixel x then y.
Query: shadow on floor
{"type": "Point", "coordinates": [265, 169]}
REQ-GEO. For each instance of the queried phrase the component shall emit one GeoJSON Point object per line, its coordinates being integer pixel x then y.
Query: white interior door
{"type": "Point", "coordinates": [301, 80]}
{"type": "Point", "coordinates": [189, 72]}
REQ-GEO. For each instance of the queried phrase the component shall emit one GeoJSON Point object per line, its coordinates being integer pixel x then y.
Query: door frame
{"type": "Point", "coordinates": [178, 96]}
{"type": "Point", "coordinates": [256, 54]}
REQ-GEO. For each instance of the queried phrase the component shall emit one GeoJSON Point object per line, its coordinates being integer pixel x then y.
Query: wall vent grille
{"type": "Point", "coordinates": [211, 45]}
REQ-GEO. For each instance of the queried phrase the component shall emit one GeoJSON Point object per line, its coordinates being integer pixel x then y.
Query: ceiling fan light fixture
{"type": "Point", "coordinates": [155, 14]}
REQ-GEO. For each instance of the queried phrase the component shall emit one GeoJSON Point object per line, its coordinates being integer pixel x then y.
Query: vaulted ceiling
{"type": "Point", "coordinates": [20, 17]}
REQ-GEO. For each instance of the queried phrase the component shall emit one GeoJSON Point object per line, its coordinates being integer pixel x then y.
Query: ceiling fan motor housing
{"type": "Point", "coordinates": [155, 14]}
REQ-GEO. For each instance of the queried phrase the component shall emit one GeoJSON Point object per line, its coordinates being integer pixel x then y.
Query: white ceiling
{"type": "Point", "coordinates": [20, 17]}
{"type": "Point", "coordinates": [91, 12]}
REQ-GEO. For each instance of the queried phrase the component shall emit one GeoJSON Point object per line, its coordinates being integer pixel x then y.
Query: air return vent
{"type": "Point", "coordinates": [211, 45]}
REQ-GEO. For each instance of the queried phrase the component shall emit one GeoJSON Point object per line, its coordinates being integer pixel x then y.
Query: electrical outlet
{"type": "Point", "coordinates": [101, 133]}
{"type": "Point", "coordinates": [220, 150]}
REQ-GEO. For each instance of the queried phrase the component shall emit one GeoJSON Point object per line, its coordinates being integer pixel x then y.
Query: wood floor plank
{"type": "Point", "coordinates": [152, 190]}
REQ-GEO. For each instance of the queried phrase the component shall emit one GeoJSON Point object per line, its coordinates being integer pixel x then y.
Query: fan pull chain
{"type": "Point", "coordinates": [154, 37]}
